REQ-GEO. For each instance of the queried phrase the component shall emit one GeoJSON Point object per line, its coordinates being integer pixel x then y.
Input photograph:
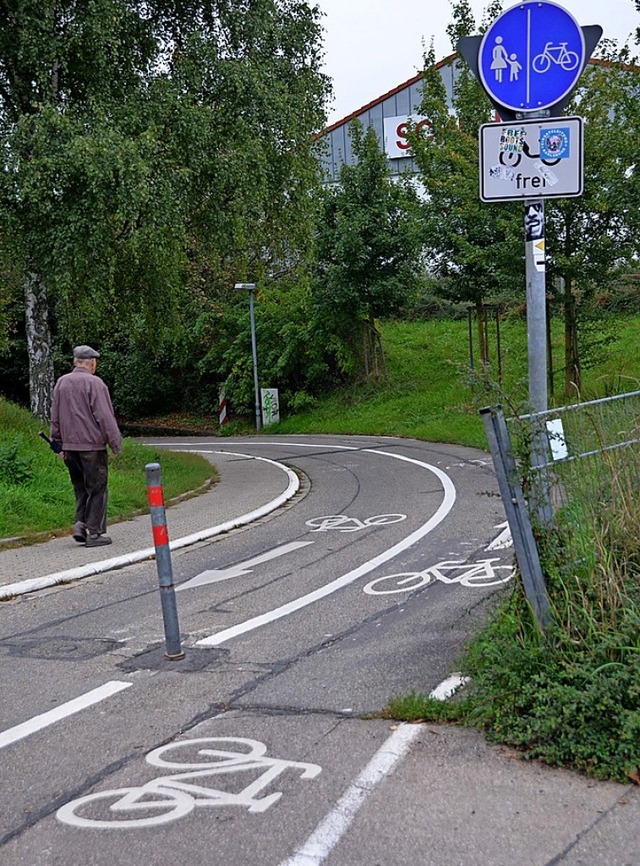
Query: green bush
{"type": "Point", "coordinates": [14, 468]}
{"type": "Point", "coordinates": [577, 709]}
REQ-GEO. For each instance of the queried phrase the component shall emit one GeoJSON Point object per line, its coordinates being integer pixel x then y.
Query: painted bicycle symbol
{"type": "Point", "coordinates": [171, 797]}
{"type": "Point", "coordinates": [351, 524]}
{"type": "Point", "coordinates": [556, 54]}
{"type": "Point", "coordinates": [476, 574]}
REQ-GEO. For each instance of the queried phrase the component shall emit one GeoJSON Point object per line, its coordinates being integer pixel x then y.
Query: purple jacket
{"type": "Point", "coordinates": [82, 415]}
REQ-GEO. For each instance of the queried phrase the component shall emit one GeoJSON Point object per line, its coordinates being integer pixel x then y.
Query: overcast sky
{"type": "Point", "coordinates": [372, 46]}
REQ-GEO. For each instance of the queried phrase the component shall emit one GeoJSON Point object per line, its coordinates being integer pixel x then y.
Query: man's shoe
{"type": "Point", "coordinates": [95, 540]}
{"type": "Point", "coordinates": [79, 532]}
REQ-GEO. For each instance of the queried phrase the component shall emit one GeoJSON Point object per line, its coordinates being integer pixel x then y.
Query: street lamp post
{"type": "Point", "coordinates": [251, 287]}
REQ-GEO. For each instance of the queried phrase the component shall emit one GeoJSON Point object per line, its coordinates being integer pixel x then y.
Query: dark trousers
{"type": "Point", "coordinates": [89, 471]}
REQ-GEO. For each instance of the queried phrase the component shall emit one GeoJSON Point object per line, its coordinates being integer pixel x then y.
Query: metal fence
{"type": "Point", "coordinates": [575, 469]}
{"type": "Point", "coordinates": [583, 459]}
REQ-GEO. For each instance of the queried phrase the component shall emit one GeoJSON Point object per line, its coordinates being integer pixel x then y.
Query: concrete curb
{"type": "Point", "coordinates": [60, 577]}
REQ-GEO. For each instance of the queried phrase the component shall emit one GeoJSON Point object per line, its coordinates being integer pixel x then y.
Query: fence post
{"type": "Point", "coordinates": [515, 507]}
{"type": "Point", "coordinates": [155, 495]}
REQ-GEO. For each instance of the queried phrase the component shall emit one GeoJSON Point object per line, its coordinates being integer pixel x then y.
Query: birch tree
{"type": "Point", "coordinates": [148, 147]}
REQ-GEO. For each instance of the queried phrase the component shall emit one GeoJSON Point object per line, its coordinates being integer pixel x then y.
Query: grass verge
{"type": "Point", "coordinates": [572, 706]}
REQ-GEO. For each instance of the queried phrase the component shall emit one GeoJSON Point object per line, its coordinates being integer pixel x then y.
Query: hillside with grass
{"type": "Point", "coordinates": [430, 391]}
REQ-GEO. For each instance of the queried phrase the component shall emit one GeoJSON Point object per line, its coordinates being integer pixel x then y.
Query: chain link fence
{"type": "Point", "coordinates": [571, 473]}
{"type": "Point", "coordinates": [583, 460]}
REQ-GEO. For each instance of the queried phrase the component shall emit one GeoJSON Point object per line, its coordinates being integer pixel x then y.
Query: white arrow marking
{"type": "Point", "coordinates": [218, 574]}
{"type": "Point", "coordinates": [503, 540]}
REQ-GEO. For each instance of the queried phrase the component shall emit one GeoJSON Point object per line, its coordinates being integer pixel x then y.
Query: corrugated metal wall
{"type": "Point", "coordinates": [335, 145]}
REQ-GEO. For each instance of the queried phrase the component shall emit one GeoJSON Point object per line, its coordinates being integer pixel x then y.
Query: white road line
{"type": "Point", "coordinates": [333, 826]}
{"type": "Point", "coordinates": [37, 723]}
{"type": "Point", "coordinates": [448, 687]}
{"type": "Point", "coordinates": [340, 582]}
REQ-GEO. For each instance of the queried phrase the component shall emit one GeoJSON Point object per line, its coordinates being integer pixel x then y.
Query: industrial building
{"type": "Point", "coordinates": [388, 114]}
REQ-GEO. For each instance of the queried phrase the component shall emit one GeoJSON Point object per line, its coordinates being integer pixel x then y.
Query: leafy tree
{"type": "Point", "coordinates": [470, 246]}
{"type": "Point", "coordinates": [154, 151]}
{"type": "Point", "coordinates": [369, 257]}
{"type": "Point", "coordinates": [592, 237]}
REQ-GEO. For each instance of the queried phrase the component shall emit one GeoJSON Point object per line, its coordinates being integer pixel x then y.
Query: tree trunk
{"type": "Point", "coordinates": [373, 359]}
{"type": "Point", "coordinates": [41, 377]}
{"type": "Point", "coordinates": [572, 371]}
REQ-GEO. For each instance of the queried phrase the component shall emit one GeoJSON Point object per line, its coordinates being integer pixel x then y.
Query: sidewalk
{"type": "Point", "coordinates": [248, 489]}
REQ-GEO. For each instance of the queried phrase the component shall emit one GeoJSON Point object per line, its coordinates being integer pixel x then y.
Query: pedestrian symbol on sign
{"type": "Point", "coordinates": [501, 59]}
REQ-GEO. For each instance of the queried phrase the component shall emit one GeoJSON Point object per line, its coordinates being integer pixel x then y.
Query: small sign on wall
{"type": "Point", "coordinates": [270, 406]}
{"type": "Point", "coordinates": [395, 134]}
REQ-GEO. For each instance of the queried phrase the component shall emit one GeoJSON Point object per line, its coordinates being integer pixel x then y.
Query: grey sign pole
{"type": "Point", "coordinates": [535, 263]}
{"type": "Point", "coordinates": [536, 303]}
{"type": "Point", "coordinates": [251, 288]}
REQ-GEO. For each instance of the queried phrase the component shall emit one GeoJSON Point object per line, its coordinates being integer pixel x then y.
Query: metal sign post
{"type": "Point", "coordinates": [536, 307]}
{"type": "Point", "coordinates": [529, 61]}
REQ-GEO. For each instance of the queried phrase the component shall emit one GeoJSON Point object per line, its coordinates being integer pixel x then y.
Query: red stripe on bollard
{"type": "Point", "coordinates": [155, 496]}
{"type": "Point", "coordinates": [160, 535]}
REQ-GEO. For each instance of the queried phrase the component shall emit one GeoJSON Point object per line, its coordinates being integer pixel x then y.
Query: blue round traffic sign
{"type": "Point", "coordinates": [531, 56]}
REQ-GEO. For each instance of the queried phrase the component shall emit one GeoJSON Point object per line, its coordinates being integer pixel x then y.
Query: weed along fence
{"type": "Point", "coordinates": [570, 482]}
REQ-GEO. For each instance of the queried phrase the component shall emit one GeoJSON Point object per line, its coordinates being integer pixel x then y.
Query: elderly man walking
{"type": "Point", "coordinates": [82, 421]}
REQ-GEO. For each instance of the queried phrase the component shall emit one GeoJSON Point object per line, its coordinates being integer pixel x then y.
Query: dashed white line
{"type": "Point", "coordinates": [333, 826]}
{"type": "Point", "coordinates": [37, 723]}
{"type": "Point", "coordinates": [448, 687]}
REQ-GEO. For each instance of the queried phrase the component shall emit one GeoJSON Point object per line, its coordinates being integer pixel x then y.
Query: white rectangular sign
{"type": "Point", "coordinates": [395, 134]}
{"type": "Point", "coordinates": [523, 159]}
{"type": "Point", "coordinates": [270, 406]}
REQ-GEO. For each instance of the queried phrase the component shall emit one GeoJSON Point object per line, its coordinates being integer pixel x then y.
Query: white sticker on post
{"type": "Point", "coordinates": [557, 441]}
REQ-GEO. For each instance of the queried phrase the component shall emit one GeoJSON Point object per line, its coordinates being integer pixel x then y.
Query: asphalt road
{"type": "Point", "coordinates": [262, 746]}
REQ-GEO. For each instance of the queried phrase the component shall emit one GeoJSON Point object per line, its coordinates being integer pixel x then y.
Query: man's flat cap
{"type": "Point", "coordinates": [83, 353]}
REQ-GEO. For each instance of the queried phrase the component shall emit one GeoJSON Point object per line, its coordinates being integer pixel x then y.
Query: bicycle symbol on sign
{"type": "Point", "coordinates": [351, 524]}
{"type": "Point", "coordinates": [513, 158]}
{"type": "Point", "coordinates": [476, 574]}
{"type": "Point", "coordinates": [171, 797]}
{"type": "Point", "coordinates": [556, 54]}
